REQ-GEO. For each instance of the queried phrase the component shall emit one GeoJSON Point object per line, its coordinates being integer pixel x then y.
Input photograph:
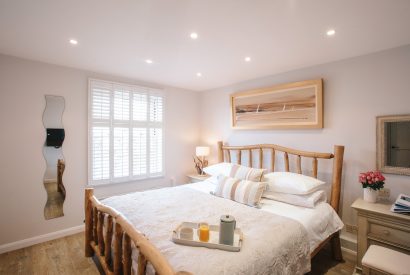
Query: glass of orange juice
{"type": "Point", "coordinates": [203, 232]}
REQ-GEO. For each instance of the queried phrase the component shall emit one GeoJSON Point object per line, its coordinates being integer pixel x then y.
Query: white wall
{"type": "Point", "coordinates": [23, 84]}
{"type": "Point", "coordinates": [355, 92]}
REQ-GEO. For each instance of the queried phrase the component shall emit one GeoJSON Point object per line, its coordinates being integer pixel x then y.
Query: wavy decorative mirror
{"type": "Point", "coordinates": [53, 155]}
{"type": "Point", "coordinates": [393, 144]}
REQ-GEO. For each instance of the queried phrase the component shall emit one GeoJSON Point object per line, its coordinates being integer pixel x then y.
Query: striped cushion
{"type": "Point", "coordinates": [246, 173]}
{"type": "Point", "coordinates": [243, 191]}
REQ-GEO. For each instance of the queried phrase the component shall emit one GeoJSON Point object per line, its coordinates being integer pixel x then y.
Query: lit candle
{"type": "Point", "coordinates": [203, 232]}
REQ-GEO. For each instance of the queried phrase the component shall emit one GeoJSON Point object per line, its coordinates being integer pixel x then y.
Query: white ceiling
{"type": "Point", "coordinates": [116, 36]}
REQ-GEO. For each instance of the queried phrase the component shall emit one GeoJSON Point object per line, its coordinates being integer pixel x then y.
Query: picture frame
{"type": "Point", "coordinates": [297, 105]}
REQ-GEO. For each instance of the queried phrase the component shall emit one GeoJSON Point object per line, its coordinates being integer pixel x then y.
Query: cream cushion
{"type": "Point", "coordinates": [386, 260]}
{"type": "Point", "coordinates": [246, 173]}
{"type": "Point", "coordinates": [243, 191]}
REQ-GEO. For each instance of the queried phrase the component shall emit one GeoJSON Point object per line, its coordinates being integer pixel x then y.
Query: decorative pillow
{"type": "Point", "coordinates": [223, 168]}
{"type": "Point", "coordinates": [243, 191]}
{"type": "Point", "coordinates": [291, 183]}
{"type": "Point", "coordinates": [309, 200]}
{"type": "Point", "coordinates": [246, 173]}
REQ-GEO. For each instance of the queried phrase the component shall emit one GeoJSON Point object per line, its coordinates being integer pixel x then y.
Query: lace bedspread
{"type": "Point", "coordinates": [272, 244]}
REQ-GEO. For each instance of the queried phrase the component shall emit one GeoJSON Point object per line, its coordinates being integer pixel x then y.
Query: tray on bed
{"type": "Point", "coordinates": [213, 238]}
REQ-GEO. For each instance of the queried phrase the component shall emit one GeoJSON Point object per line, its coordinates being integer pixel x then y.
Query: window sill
{"type": "Point", "coordinates": [96, 185]}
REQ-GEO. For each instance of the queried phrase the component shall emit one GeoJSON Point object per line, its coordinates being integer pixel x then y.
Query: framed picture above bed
{"type": "Point", "coordinates": [295, 105]}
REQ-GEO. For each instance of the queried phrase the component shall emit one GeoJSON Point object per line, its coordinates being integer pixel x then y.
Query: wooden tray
{"type": "Point", "coordinates": [213, 238]}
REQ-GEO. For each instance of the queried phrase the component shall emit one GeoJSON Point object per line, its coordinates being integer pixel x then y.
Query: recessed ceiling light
{"type": "Point", "coordinates": [247, 59]}
{"type": "Point", "coordinates": [73, 42]}
{"type": "Point", "coordinates": [194, 35]}
{"type": "Point", "coordinates": [198, 74]}
{"type": "Point", "coordinates": [148, 61]}
{"type": "Point", "coordinates": [330, 32]}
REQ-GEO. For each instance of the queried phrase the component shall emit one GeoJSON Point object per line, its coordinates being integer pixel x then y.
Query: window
{"type": "Point", "coordinates": [125, 132]}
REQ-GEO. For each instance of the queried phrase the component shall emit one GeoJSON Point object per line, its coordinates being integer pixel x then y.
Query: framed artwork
{"type": "Point", "coordinates": [295, 105]}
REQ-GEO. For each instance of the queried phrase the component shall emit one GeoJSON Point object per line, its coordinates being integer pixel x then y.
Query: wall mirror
{"type": "Point", "coordinates": [53, 155]}
{"type": "Point", "coordinates": [393, 144]}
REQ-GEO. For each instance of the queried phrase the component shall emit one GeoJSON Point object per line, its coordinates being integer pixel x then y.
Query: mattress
{"type": "Point", "coordinates": [320, 222]}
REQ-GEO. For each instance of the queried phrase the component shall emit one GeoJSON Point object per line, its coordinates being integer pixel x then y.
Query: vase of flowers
{"type": "Point", "coordinates": [372, 182]}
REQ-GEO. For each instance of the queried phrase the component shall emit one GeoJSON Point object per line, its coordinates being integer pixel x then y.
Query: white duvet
{"type": "Point", "coordinates": [320, 222]}
{"type": "Point", "coordinates": [273, 244]}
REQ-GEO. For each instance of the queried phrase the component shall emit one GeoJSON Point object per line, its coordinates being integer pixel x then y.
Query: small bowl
{"type": "Point", "coordinates": [186, 233]}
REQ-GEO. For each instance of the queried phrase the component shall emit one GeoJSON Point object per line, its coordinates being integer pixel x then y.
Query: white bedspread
{"type": "Point", "coordinates": [320, 222]}
{"type": "Point", "coordinates": [272, 244]}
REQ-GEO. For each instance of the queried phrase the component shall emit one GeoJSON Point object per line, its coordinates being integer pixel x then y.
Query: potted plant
{"type": "Point", "coordinates": [372, 182]}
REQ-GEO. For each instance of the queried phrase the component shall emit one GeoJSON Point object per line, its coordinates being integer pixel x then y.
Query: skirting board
{"type": "Point", "coordinates": [40, 239]}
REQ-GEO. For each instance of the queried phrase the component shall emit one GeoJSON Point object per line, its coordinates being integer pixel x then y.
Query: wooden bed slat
{"type": "Point", "coordinates": [299, 164]}
{"type": "Point", "coordinates": [286, 159]}
{"type": "Point", "coordinates": [260, 158]}
{"type": "Point", "coordinates": [100, 233]}
{"type": "Point", "coordinates": [314, 167]}
{"type": "Point", "coordinates": [118, 249]}
{"type": "Point", "coordinates": [108, 241]}
{"type": "Point", "coordinates": [239, 157]}
{"type": "Point", "coordinates": [250, 158]}
{"type": "Point", "coordinates": [95, 236]}
{"type": "Point", "coordinates": [142, 264]}
{"type": "Point", "coordinates": [126, 255]}
{"type": "Point", "coordinates": [273, 160]}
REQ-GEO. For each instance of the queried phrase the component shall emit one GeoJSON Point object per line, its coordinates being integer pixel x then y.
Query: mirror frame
{"type": "Point", "coordinates": [381, 145]}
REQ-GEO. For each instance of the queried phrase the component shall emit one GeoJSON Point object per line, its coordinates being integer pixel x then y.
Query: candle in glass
{"type": "Point", "coordinates": [203, 232]}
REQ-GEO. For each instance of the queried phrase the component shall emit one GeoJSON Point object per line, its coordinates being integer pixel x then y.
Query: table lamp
{"type": "Point", "coordinates": [200, 161]}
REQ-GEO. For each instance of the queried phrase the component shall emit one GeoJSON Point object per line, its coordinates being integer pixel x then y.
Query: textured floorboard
{"type": "Point", "coordinates": [65, 256]}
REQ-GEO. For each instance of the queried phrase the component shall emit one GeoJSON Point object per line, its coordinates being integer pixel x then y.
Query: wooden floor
{"type": "Point", "coordinates": [65, 256]}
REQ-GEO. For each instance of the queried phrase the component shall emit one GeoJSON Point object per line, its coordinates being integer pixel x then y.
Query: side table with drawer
{"type": "Point", "coordinates": [376, 224]}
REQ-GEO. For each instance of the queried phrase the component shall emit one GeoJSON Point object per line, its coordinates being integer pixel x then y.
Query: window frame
{"type": "Point", "coordinates": [130, 124]}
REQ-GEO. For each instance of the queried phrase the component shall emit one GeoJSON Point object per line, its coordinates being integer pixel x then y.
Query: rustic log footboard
{"type": "Point", "coordinates": [120, 231]}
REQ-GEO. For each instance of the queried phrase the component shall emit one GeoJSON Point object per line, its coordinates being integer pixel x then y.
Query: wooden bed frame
{"type": "Point", "coordinates": [121, 232]}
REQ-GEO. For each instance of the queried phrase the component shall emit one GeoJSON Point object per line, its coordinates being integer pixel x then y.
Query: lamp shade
{"type": "Point", "coordinates": [202, 151]}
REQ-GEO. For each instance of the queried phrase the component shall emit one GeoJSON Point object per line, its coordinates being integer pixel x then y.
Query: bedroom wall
{"type": "Point", "coordinates": [355, 92]}
{"type": "Point", "coordinates": [23, 84]}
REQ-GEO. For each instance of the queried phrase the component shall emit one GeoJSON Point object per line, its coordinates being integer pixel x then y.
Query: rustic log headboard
{"type": "Point", "coordinates": [225, 154]}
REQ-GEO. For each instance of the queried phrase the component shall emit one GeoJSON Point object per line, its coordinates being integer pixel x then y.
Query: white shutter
{"type": "Point", "coordinates": [155, 150]}
{"type": "Point", "coordinates": [140, 106]}
{"type": "Point", "coordinates": [126, 135]}
{"type": "Point", "coordinates": [121, 105]}
{"type": "Point", "coordinates": [100, 103]}
{"type": "Point", "coordinates": [139, 151]}
{"type": "Point", "coordinates": [121, 152]}
{"type": "Point", "coordinates": [100, 153]}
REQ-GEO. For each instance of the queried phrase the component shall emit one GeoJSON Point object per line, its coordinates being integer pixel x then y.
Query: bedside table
{"type": "Point", "coordinates": [195, 177]}
{"type": "Point", "coordinates": [376, 224]}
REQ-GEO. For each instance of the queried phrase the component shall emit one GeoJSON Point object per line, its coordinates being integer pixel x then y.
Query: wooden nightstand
{"type": "Point", "coordinates": [376, 224]}
{"type": "Point", "coordinates": [195, 177]}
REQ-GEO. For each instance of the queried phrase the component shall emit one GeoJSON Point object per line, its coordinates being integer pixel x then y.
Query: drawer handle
{"type": "Point", "coordinates": [386, 232]}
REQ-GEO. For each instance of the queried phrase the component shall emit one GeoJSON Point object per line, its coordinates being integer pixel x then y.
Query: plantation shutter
{"type": "Point", "coordinates": [126, 132]}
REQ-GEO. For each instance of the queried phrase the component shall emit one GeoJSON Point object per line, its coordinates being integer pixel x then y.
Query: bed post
{"type": "Point", "coordinates": [89, 192]}
{"type": "Point", "coordinates": [335, 197]}
{"type": "Point", "coordinates": [220, 152]}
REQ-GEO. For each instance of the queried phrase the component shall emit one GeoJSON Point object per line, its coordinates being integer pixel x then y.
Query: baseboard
{"type": "Point", "coordinates": [40, 239]}
{"type": "Point", "coordinates": [348, 243]}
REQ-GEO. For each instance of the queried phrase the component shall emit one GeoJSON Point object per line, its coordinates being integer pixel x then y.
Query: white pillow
{"type": "Point", "coordinates": [309, 200]}
{"type": "Point", "coordinates": [291, 183]}
{"type": "Point", "coordinates": [223, 168]}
